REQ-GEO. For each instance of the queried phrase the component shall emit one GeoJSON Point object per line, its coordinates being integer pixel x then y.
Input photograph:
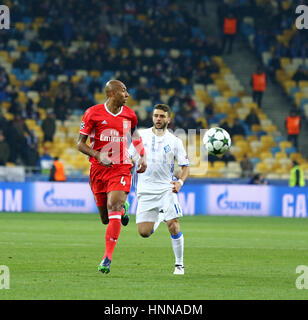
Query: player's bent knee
{"type": "Point", "coordinates": [174, 227]}
{"type": "Point", "coordinates": [145, 231]}
{"type": "Point", "coordinates": [144, 234]}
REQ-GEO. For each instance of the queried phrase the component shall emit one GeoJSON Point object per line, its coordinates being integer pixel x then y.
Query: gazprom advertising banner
{"type": "Point", "coordinates": [203, 199]}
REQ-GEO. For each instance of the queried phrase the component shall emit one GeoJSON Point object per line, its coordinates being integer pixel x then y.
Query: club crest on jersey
{"type": "Point", "coordinates": [104, 122]}
{"type": "Point", "coordinates": [126, 124]}
{"type": "Point", "coordinates": [167, 148]}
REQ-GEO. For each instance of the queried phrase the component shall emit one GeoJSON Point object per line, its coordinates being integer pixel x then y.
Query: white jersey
{"type": "Point", "coordinates": [161, 152]}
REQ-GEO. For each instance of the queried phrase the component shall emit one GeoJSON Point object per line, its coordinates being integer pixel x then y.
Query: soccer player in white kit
{"type": "Point", "coordinates": [157, 188]}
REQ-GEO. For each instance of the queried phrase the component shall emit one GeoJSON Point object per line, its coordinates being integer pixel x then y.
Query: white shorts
{"type": "Point", "coordinates": [152, 207]}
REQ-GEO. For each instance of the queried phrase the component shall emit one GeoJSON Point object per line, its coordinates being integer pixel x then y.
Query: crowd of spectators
{"type": "Point", "coordinates": [115, 37]}
{"type": "Point", "coordinates": [270, 18]}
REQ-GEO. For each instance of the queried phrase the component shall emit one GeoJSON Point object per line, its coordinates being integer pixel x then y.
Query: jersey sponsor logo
{"type": "Point", "coordinates": [111, 136]}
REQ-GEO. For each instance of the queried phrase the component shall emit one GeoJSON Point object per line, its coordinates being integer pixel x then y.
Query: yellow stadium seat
{"type": "Point", "coordinates": [6, 104]}
{"type": "Point", "coordinates": [270, 128]}
{"type": "Point", "coordinates": [20, 26]}
{"type": "Point", "coordinates": [219, 164]}
{"type": "Point", "coordinates": [256, 128]}
{"type": "Point", "coordinates": [262, 167]}
{"type": "Point", "coordinates": [225, 71]}
{"type": "Point", "coordinates": [242, 144]}
{"type": "Point", "coordinates": [34, 67]}
{"type": "Point", "coordinates": [284, 62]}
{"type": "Point", "coordinates": [228, 94]}
{"type": "Point", "coordinates": [303, 84]}
{"type": "Point", "coordinates": [265, 155]}
{"type": "Point", "coordinates": [95, 73]}
{"type": "Point", "coordinates": [99, 97]}
{"type": "Point", "coordinates": [298, 97]}
{"type": "Point", "coordinates": [22, 49]}
{"type": "Point", "coordinates": [4, 54]}
{"type": "Point", "coordinates": [10, 164]}
{"type": "Point", "coordinates": [285, 144]}
{"type": "Point", "coordinates": [237, 137]}
{"type": "Point", "coordinates": [75, 78]}
{"type": "Point", "coordinates": [295, 156]}
{"type": "Point", "coordinates": [251, 138]}
{"type": "Point", "coordinates": [280, 155]}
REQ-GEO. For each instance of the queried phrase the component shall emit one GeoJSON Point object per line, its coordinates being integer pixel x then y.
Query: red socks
{"type": "Point", "coordinates": [112, 232]}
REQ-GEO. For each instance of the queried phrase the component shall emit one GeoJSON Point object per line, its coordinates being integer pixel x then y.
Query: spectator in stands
{"type": "Point", "coordinates": [258, 179]}
{"type": "Point", "coordinates": [258, 83]}
{"type": "Point", "coordinates": [225, 125]}
{"type": "Point", "coordinates": [228, 157]}
{"type": "Point", "coordinates": [175, 101]}
{"type": "Point", "coordinates": [22, 62]}
{"type": "Point", "coordinates": [45, 160]}
{"type": "Point", "coordinates": [42, 82]}
{"type": "Point", "coordinates": [200, 4]}
{"type": "Point", "coordinates": [57, 172]}
{"type": "Point", "coordinates": [95, 86]}
{"type": "Point", "coordinates": [4, 79]}
{"type": "Point", "coordinates": [147, 122]}
{"type": "Point", "coordinates": [49, 127]}
{"type": "Point", "coordinates": [237, 128]}
{"type": "Point", "coordinates": [273, 66]}
{"type": "Point", "coordinates": [252, 118]}
{"type": "Point", "coordinates": [32, 110]}
{"type": "Point", "coordinates": [16, 132]}
{"type": "Point", "coordinates": [247, 167]}
{"type": "Point", "coordinates": [209, 112]}
{"type": "Point", "coordinates": [45, 101]}
{"type": "Point", "coordinates": [297, 178]}
{"type": "Point", "coordinates": [32, 157]}
{"type": "Point", "coordinates": [32, 139]}
{"type": "Point", "coordinates": [4, 150]}
{"type": "Point", "coordinates": [3, 122]}
{"type": "Point", "coordinates": [229, 32]}
{"type": "Point", "coordinates": [293, 126]}
{"type": "Point", "coordinates": [60, 106]}
{"type": "Point", "coordinates": [300, 75]}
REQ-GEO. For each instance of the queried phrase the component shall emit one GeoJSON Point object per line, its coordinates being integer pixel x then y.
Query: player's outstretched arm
{"type": "Point", "coordinates": [84, 148]}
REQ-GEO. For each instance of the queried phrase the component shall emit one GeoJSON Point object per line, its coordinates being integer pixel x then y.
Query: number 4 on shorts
{"type": "Point", "coordinates": [123, 181]}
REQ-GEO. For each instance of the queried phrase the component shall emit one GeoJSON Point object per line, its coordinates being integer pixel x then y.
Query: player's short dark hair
{"type": "Point", "coordinates": [164, 107]}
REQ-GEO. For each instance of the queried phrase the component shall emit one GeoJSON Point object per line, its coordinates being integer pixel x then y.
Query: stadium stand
{"type": "Point", "coordinates": [58, 66]}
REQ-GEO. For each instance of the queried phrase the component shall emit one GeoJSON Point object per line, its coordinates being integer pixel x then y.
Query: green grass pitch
{"type": "Point", "coordinates": [55, 256]}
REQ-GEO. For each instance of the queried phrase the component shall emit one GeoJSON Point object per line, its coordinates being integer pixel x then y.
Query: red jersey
{"type": "Point", "coordinates": [108, 132]}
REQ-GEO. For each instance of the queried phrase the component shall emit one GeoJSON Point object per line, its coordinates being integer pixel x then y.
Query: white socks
{"type": "Point", "coordinates": [178, 247]}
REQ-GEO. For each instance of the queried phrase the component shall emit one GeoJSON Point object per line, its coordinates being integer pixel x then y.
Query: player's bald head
{"type": "Point", "coordinates": [112, 86]}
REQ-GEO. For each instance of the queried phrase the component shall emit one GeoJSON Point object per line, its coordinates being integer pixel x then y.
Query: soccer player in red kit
{"type": "Point", "coordinates": [108, 125]}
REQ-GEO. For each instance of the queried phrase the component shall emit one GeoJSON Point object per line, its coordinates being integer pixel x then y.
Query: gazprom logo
{"type": "Point", "coordinates": [51, 201]}
{"type": "Point", "coordinates": [224, 203]}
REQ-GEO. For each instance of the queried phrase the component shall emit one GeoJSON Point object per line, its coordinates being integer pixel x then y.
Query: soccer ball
{"type": "Point", "coordinates": [217, 141]}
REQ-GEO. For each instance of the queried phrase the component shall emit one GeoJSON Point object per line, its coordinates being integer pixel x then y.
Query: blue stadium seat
{"type": "Point", "coordinates": [254, 161]}
{"type": "Point", "coordinates": [290, 150]}
{"type": "Point", "coordinates": [274, 150]}
{"type": "Point", "coordinates": [278, 139]}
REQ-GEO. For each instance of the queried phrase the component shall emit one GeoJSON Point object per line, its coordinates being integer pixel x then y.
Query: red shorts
{"type": "Point", "coordinates": [103, 180]}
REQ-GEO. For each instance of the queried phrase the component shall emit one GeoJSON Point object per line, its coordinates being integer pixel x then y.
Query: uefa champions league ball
{"type": "Point", "coordinates": [217, 141]}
